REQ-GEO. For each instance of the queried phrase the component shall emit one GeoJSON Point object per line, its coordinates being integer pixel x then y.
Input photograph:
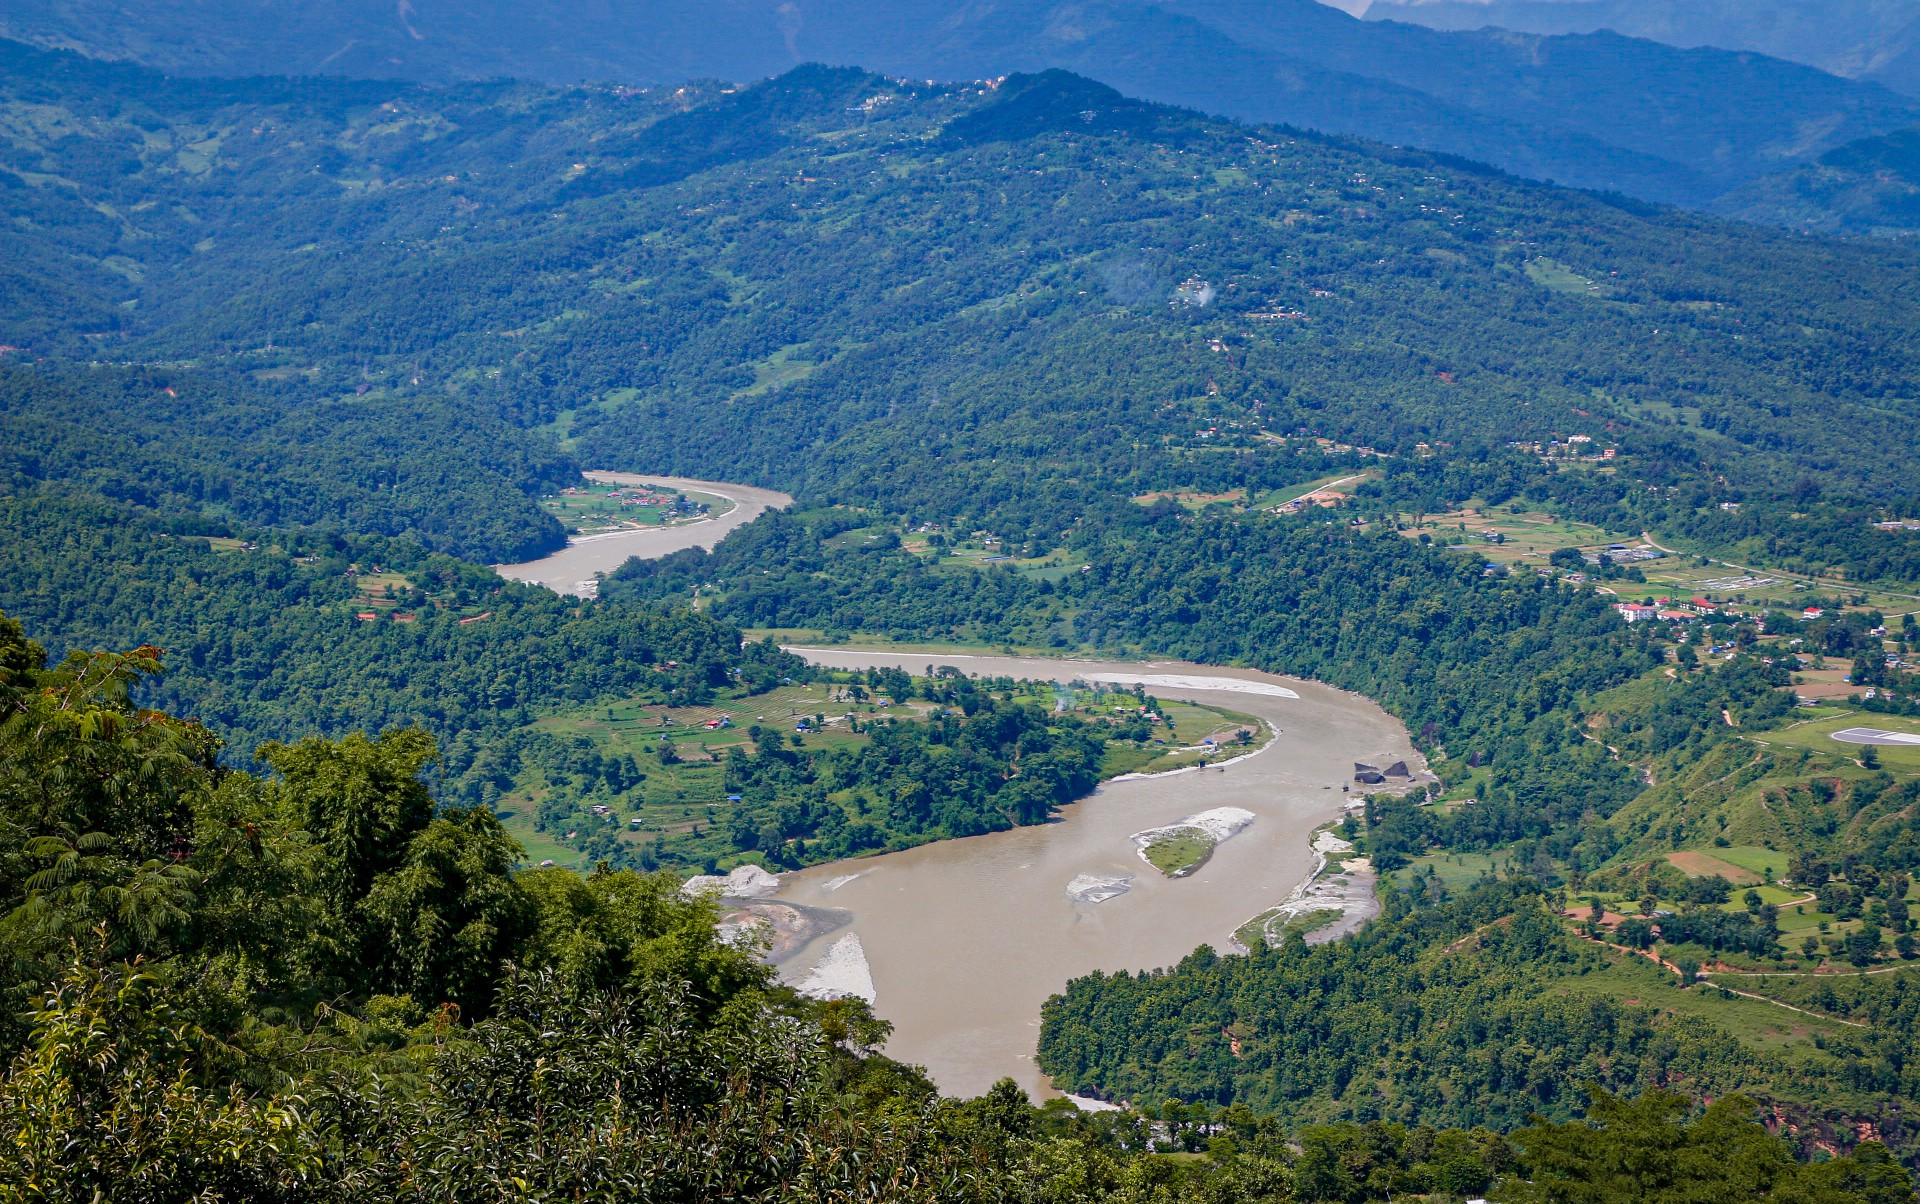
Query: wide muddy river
{"type": "Point", "coordinates": [571, 570]}
{"type": "Point", "coordinates": [965, 939]}
{"type": "Point", "coordinates": [961, 941]}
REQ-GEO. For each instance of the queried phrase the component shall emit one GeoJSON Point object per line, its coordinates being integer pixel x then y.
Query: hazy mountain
{"type": "Point", "coordinates": [1861, 39]}
{"type": "Point", "coordinates": [832, 272]}
{"type": "Point", "coordinates": [1867, 187]}
{"type": "Point", "coordinates": [1596, 110]}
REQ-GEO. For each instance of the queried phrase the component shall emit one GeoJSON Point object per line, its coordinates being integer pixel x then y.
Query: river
{"type": "Point", "coordinates": [572, 569]}
{"type": "Point", "coordinates": [965, 939]}
{"type": "Point", "coordinates": [961, 941]}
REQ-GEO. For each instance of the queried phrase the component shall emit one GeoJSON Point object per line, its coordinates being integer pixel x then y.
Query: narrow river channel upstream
{"type": "Point", "coordinates": [572, 569]}
{"type": "Point", "coordinates": [958, 943]}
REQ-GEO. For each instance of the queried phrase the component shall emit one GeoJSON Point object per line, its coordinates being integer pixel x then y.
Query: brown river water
{"type": "Point", "coordinates": [961, 941]}
{"type": "Point", "coordinates": [965, 939]}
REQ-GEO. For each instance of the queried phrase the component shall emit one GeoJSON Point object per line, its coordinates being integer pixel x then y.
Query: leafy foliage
{"type": "Point", "coordinates": [266, 643]}
{"type": "Point", "coordinates": [186, 442]}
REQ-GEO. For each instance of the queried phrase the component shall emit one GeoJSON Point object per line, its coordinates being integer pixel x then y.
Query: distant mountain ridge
{"type": "Point", "coordinates": [1867, 187]}
{"type": "Point", "coordinates": [1594, 110]}
{"type": "Point", "coordinates": [1877, 40]}
{"type": "Point", "coordinates": [805, 281]}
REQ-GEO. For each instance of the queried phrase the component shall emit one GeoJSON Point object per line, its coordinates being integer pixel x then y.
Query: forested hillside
{"type": "Point", "coordinates": [1871, 186]}
{"type": "Point", "coordinates": [207, 445]}
{"type": "Point", "coordinates": [1597, 110]}
{"type": "Point", "coordinates": [875, 274]}
{"type": "Point", "coordinates": [268, 642]}
{"type": "Point", "coordinates": [1870, 39]}
{"type": "Point", "coordinates": [1046, 367]}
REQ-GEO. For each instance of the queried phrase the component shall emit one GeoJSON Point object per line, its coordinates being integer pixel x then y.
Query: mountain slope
{"type": "Point", "coordinates": [1876, 40]}
{"type": "Point", "coordinates": [1012, 301]}
{"type": "Point", "coordinates": [1867, 187]}
{"type": "Point", "coordinates": [1596, 111]}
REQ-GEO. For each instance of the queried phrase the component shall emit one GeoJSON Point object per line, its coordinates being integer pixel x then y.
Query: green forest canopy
{"type": "Point", "coordinates": [362, 327]}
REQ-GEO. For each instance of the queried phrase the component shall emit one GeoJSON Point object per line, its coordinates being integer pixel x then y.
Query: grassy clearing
{"type": "Point", "coordinates": [1637, 981]}
{"type": "Point", "coordinates": [1195, 501]}
{"type": "Point", "coordinates": [777, 370]}
{"type": "Point", "coordinates": [1456, 871]}
{"type": "Point", "coordinates": [596, 508]}
{"type": "Point", "coordinates": [1180, 852]}
{"type": "Point", "coordinates": [1816, 735]}
{"type": "Point", "coordinates": [1697, 864]}
{"type": "Point", "coordinates": [1557, 277]}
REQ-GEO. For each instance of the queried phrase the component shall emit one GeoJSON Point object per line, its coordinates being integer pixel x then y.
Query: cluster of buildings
{"type": "Point", "coordinates": [1666, 611]}
{"type": "Point", "coordinates": [1573, 446]}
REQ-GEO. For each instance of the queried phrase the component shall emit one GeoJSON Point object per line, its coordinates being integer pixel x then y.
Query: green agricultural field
{"type": "Point", "coordinates": [683, 799]}
{"type": "Point", "coordinates": [1788, 588]}
{"type": "Point", "coordinates": [686, 797]}
{"type": "Point", "coordinates": [1636, 980]}
{"type": "Point", "coordinates": [1529, 535]}
{"type": "Point", "coordinates": [1683, 576]}
{"type": "Point", "coordinates": [1769, 864]}
{"type": "Point", "coordinates": [594, 508]}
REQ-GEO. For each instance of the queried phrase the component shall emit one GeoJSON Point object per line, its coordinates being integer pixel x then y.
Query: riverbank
{"type": "Point", "coordinates": [577, 568]}
{"type": "Point", "coordinates": [965, 939]}
{"type": "Point", "coordinates": [1335, 900]}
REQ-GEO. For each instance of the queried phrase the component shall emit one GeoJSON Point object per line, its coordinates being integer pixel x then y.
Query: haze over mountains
{"type": "Point", "coordinates": [1875, 40]}
{"type": "Point", "coordinates": [1596, 110]}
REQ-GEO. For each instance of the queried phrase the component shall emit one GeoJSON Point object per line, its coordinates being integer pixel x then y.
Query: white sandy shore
{"type": "Point", "coordinates": [1348, 892]}
{"type": "Point", "coordinates": [841, 973]}
{"type": "Point", "coordinates": [1214, 825]}
{"type": "Point", "coordinates": [1173, 681]}
{"type": "Point", "coordinates": [1166, 681]}
{"type": "Point", "coordinates": [745, 882]}
{"type": "Point", "coordinates": [1218, 823]}
{"type": "Point", "coordinates": [1098, 888]}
